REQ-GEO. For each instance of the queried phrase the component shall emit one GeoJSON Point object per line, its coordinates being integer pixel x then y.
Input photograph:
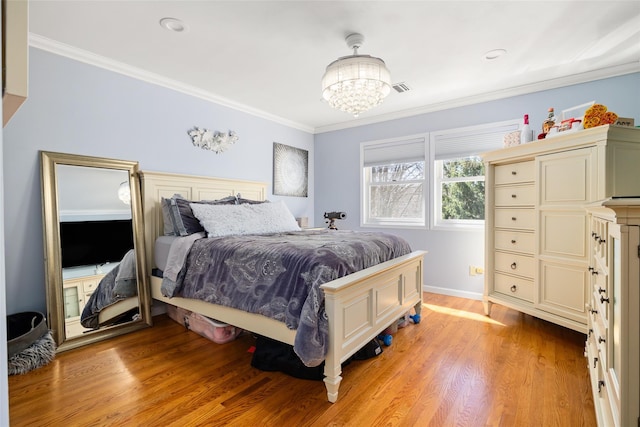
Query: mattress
{"type": "Point", "coordinates": [161, 251]}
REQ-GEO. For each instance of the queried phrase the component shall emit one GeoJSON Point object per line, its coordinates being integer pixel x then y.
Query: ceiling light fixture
{"type": "Point", "coordinates": [124, 193]}
{"type": "Point", "coordinates": [356, 83]}
{"type": "Point", "coordinates": [173, 24]}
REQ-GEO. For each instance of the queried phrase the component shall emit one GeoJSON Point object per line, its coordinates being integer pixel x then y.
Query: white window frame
{"type": "Point", "coordinates": [365, 183]}
{"type": "Point", "coordinates": [460, 143]}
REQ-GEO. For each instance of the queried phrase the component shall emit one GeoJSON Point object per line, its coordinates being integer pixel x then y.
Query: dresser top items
{"type": "Point", "coordinates": [600, 135]}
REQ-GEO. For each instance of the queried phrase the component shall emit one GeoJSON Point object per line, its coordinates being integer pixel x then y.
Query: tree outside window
{"type": "Point", "coordinates": [460, 185]}
{"type": "Point", "coordinates": [396, 193]}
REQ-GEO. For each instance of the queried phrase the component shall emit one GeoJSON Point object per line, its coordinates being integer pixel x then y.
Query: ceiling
{"type": "Point", "coordinates": [268, 57]}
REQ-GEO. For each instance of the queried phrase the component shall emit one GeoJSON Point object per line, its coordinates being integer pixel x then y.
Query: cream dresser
{"type": "Point", "coordinates": [537, 246]}
{"type": "Point", "coordinates": [77, 292]}
{"type": "Point", "coordinates": [612, 347]}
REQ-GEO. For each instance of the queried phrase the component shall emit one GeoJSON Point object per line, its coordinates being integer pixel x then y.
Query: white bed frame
{"type": "Point", "coordinates": [359, 306]}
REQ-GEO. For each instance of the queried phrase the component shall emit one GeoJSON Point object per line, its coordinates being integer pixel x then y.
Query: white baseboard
{"type": "Point", "coordinates": [453, 292]}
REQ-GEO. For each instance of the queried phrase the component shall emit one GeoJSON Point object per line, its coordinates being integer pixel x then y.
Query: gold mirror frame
{"type": "Point", "coordinates": [53, 251]}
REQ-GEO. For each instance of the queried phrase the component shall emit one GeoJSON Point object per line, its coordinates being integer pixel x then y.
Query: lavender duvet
{"type": "Point", "coordinates": [277, 275]}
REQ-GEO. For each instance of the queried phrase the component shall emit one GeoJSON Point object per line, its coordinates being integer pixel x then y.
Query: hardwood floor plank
{"type": "Point", "coordinates": [456, 368]}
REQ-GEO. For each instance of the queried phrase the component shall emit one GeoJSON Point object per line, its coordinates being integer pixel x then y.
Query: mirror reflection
{"type": "Point", "coordinates": [94, 248]}
{"type": "Point", "coordinates": [96, 239]}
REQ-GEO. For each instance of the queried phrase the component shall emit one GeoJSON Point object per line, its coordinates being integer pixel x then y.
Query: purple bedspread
{"type": "Point", "coordinates": [279, 275]}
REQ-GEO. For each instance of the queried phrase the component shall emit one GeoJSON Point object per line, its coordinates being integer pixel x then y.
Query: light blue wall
{"type": "Point", "coordinates": [337, 170]}
{"type": "Point", "coordinates": [78, 108]}
{"type": "Point", "coordinates": [81, 109]}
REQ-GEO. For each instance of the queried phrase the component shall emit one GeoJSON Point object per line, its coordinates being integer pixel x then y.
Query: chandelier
{"type": "Point", "coordinates": [356, 83]}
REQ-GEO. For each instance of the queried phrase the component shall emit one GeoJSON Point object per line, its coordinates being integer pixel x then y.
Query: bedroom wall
{"type": "Point", "coordinates": [82, 109]}
{"type": "Point", "coordinates": [450, 252]}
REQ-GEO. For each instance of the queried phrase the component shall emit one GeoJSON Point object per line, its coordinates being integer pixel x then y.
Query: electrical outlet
{"type": "Point", "coordinates": [474, 271]}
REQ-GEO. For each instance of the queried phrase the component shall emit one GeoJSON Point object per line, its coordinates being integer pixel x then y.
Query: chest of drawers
{"type": "Point", "coordinates": [613, 337]}
{"type": "Point", "coordinates": [536, 223]}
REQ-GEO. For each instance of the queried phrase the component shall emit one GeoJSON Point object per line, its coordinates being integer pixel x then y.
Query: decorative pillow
{"type": "Point", "coordinates": [169, 228]}
{"type": "Point", "coordinates": [224, 220]}
{"type": "Point", "coordinates": [178, 217]}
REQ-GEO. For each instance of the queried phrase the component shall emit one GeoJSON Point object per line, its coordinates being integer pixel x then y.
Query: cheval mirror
{"type": "Point", "coordinates": [95, 268]}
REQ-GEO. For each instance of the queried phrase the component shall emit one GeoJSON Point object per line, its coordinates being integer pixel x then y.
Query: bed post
{"type": "Point", "coordinates": [332, 364]}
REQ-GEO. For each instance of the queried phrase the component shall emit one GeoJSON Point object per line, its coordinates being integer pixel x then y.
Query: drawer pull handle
{"type": "Point", "coordinates": [593, 311]}
{"type": "Point", "coordinates": [603, 300]}
{"type": "Point", "coordinates": [591, 268]}
{"type": "Point", "coordinates": [513, 218]}
{"type": "Point", "coordinates": [601, 240]}
{"type": "Point", "coordinates": [514, 265]}
{"type": "Point", "coordinates": [589, 334]}
{"type": "Point", "coordinates": [514, 173]}
{"type": "Point", "coordinates": [601, 340]}
{"type": "Point", "coordinates": [595, 362]}
{"type": "Point", "coordinates": [514, 288]}
{"type": "Point", "coordinates": [513, 242]}
{"type": "Point", "coordinates": [513, 196]}
{"type": "Point", "coordinates": [596, 237]}
{"type": "Point", "coordinates": [601, 291]}
{"type": "Point", "coordinates": [600, 385]}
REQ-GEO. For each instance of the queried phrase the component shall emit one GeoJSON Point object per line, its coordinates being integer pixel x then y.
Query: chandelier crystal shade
{"type": "Point", "coordinates": [356, 83]}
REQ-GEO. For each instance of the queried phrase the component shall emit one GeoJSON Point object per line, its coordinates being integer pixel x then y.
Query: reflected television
{"type": "Point", "coordinates": [94, 242]}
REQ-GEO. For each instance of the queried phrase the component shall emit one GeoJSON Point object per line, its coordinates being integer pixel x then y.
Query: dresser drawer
{"type": "Point", "coordinates": [515, 264]}
{"type": "Point", "coordinates": [600, 336]}
{"type": "Point", "coordinates": [90, 285]}
{"type": "Point", "coordinates": [513, 286]}
{"type": "Point", "coordinates": [522, 219]}
{"type": "Point", "coordinates": [514, 173]}
{"type": "Point", "coordinates": [515, 241]}
{"type": "Point", "coordinates": [515, 195]}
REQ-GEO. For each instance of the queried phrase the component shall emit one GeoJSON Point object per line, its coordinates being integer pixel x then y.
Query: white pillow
{"type": "Point", "coordinates": [225, 220]}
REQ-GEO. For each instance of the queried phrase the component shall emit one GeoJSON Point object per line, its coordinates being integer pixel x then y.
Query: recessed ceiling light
{"type": "Point", "coordinates": [494, 54]}
{"type": "Point", "coordinates": [173, 24]}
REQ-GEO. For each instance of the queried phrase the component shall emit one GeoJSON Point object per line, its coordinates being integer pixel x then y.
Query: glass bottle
{"type": "Point", "coordinates": [525, 131]}
{"type": "Point", "coordinates": [552, 117]}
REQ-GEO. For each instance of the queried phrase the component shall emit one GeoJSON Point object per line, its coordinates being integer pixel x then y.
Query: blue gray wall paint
{"type": "Point", "coordinates": [81, 109]}
{"type": "Point", "coordinates": [337, 169]}
{"type": "Point", "coordinates": [78, 108]}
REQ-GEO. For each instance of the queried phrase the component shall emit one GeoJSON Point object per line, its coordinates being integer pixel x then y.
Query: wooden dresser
{"type": "Point", "coordinates": [77, 292]}
{"type": "Point", "coordinates": [563, 244]}
{"type": "Point", "coordinates": [613, 337]}
{"type": "Point", "coordinates": [537, 248]}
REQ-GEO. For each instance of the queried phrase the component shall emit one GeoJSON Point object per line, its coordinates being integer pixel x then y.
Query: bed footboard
{"type": "Point", "coordinates": [361, 305]}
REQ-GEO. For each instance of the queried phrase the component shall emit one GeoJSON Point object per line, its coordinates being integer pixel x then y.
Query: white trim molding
{"type": "Point", "coordinates": [87, 57]}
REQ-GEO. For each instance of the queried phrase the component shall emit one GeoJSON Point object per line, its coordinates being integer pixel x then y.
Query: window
{"type": "Point", "coordinates": [459, 186]}
{"type": "Point", "coordinates": [394, 182]}
{"type": "Point", "coordinates": [459, 172]}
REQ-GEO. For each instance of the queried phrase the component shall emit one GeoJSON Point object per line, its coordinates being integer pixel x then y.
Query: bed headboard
{"type": "Point", "coordinates": [156, 185]}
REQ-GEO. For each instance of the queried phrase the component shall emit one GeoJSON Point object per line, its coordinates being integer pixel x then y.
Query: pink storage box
{"type": "Point", "coordinates": [213, 330]}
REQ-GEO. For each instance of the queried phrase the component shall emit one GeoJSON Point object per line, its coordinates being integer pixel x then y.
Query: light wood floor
{"type": "Point", "coordinates": [456, 368]}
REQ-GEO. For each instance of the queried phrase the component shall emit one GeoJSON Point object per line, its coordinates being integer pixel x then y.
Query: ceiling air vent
{"type": "Point", "coordinates": [401, 87]}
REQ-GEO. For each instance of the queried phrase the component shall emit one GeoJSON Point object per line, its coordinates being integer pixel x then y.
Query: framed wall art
{"type": "Point", "coordinates": [290, 171]}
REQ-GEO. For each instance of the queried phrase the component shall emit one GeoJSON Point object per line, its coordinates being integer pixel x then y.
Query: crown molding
{"type": "Point", "coordinates": [80, 55]}
{"type": "Point", "coordinates": [603, 73]}
{"type": "Point", "coordinates": [87, 57]}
